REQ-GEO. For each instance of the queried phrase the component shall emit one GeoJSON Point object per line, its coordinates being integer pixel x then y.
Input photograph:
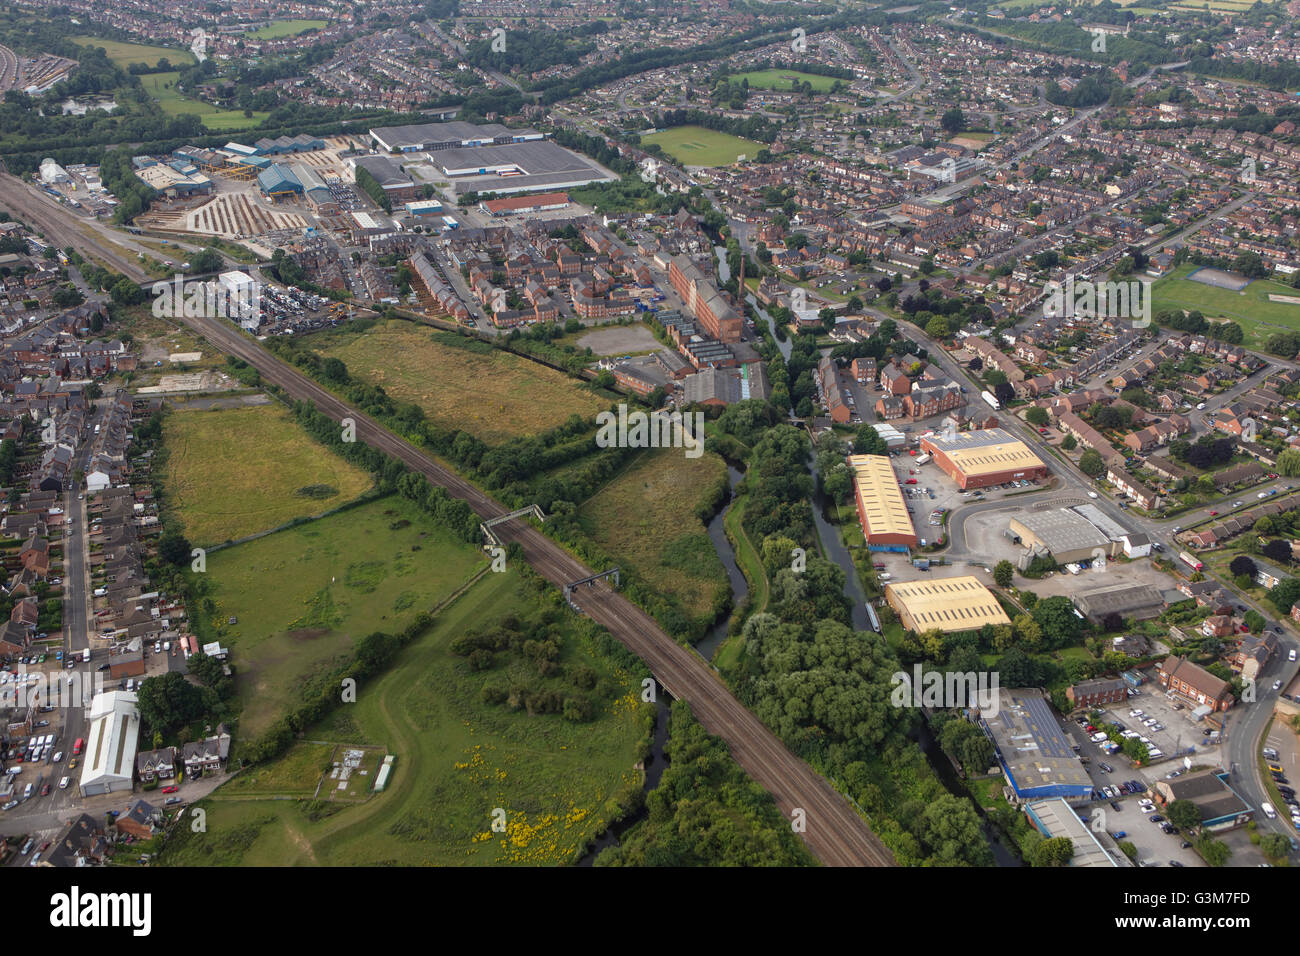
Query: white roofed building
{"type": "Point", "coordinates": [111, 738]}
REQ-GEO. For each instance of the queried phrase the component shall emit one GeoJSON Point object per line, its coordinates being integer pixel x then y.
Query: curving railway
{"type": "Point", "coordinates": [833, 830]}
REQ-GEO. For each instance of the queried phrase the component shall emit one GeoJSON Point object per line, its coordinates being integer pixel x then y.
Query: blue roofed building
{"type": "Point", "coordinates": [278, 180]}
{"type": "Point", "coordinates": [1036, 757]}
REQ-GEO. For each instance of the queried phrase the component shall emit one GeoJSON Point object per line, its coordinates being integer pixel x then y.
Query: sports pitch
{"type": "Point", "coordinates": [697, 146]}
{"type": "Point", "coordinates": [1250, 308]}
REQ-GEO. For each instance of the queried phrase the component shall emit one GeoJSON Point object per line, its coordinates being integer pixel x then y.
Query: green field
{"type": "Point", "coordinates": [235, 472]}
{"type": "Point", "coordinates": [285, 28]}
{"type": "Point", "coordinates": [646, 518]}
{"type": "Point", "coordinates": [124, 54]}
{"type": "Point", "coordinates": [1250, 308]}
{"type": "Point", "coordinates": [302, 596]}
{"type": "Point", "coordinates": [162, 87]}
{"type": "Point", "coordinates": [697, 146]}
{"type": "Point", "coordinates": [783, 79]}
{"type": "Point", "coordinates": [457, 760]}
{"type": "Point", "coordinates": [489, 393]}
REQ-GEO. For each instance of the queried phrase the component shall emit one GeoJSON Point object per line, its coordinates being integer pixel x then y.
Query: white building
{"type": "Point", "coordinates": [242, 297]}
{"type": "Point", "coordinates": [51, 172]}
{"type": "Point", "coordinates": [111, 737]}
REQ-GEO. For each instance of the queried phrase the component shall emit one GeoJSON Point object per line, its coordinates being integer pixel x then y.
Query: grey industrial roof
{"type": "Point", "coordinates": [1033, 746]}
{"type": "Point", "coordinates": [1059, 820]}
{"type": "Point", "coordinates": [1118, 599]}
{"type": "Point", "coordinates": [1061, 530]}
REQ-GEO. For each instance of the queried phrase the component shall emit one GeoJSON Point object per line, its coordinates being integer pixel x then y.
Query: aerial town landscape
{"type": "Point", "coordinates": [650, 434]}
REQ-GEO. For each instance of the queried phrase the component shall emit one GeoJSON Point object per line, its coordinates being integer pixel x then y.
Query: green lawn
{"type": "Point", "coordinates": [492, 394]}
{"type": "Point", "coordinates": [286, 28]}
{"type": "Point", "coordinates": [1250, 308]}
{"type": "Point", "coordinates": [301, 597]}
{"type": "Point", "coordinates": [645, 518]}
{"type": "Point", "coordinates": [162, 87]}
{"type": "Point", "coordinates": [235, 472]}
{"type": "Point", "coordinates": [457, 760]}
{"type": "Point", "coordinates": [784, 79]}
{"type": "Point", "coordinates": [124, 54]}
{"type": "Point", "coordinates": [697, 146]}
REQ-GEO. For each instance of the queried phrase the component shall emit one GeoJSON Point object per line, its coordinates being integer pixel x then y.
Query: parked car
{"type": "Point", "coordinates": [171, 789]}
{"type": "Point", "coordinates": [1156, 818]}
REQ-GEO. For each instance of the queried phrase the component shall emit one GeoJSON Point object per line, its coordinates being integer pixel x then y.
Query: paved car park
{"type": "Point", "coordinates": [1124, 813]}
{"type": "Point", "coordinates": [1168, 727]}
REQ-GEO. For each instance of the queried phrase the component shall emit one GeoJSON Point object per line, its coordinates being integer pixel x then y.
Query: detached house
{"type": "Point", "coordinates": [156, 765]}
{"type": "Point", "coordinates": [207, 755]}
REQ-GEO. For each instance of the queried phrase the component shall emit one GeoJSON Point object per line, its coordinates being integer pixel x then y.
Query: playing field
{"type": "Point", "coordinates": [646, 519]}
{"type": "Point", "coordinates": [697, 146]}
{"type": "Point", "coordinates": [1250, 308]}
{"type": "Point", "coordinates": [234, 472]}
{"type": "Point", "coordinates": [458, 760]}
{"type": "Point", "coordinates": [124, 54]}
{"type": "Point", "coordinates": [489, 393]}
{"type": "Point", "coordinates": [286, 28]}
{"type": "Point", "coordinates": [302, 596]}
{"type": "Point", "coordinates": [784, 79]}
{"type": "Point", "coordinates": [162, 87]}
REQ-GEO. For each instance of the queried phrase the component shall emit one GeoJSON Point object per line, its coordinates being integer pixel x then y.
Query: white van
{"type": "Point", "coordinates": [63, 784]}
{"type": "Point", "coordinates": [1268, 810]}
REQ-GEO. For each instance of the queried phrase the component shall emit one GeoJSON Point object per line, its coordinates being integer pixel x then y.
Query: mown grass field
{"type": "Point", "coordinates": [457, 760]}
{"type": "Point", "coordinates": [697, 146]}
{"type": "Point", "coordinates": [1250, 308]}
{"type": "Point", "coordinates": [235, 472]}
{"type": "Point", "coordinates": [301, 597]}
{"type": "Point", "coordinates": [162, 87]}
{"type": "Point", "coordinates": [783, 79]}
{"type": "Point", "coordinates": [124, 54]}
{"type": "Point", "coordinates": [489, 393]}
{"type": "Point", "coordinates": [646, 518]}
{"type": "Point", "coordinates": [285, 28]}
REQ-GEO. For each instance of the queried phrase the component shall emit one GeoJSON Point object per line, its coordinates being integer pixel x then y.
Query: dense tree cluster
{"type": "Point", "coordinates": [706, 811]}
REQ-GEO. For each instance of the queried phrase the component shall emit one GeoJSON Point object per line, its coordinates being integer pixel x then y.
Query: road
{"type": "Point", "coordinates": [834, 832]}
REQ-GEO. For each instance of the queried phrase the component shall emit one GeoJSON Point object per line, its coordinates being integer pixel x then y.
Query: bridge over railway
{"type": "Point", "coordinates": [834, 832]}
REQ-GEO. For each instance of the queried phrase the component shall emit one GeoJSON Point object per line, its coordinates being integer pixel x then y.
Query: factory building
{"type": "Point", "coordinates": [980, 459]}
{"type": "Point", "coordinates": [882, 510]}
{"type": "Point", "coordinates": [945, 604]}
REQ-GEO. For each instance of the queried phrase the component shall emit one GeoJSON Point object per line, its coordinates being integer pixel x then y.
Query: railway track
{"type": "Point", "coordinates": [833, 831]}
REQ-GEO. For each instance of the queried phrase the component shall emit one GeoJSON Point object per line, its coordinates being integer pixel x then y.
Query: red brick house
{"type": "Point", "coordinates": [1195, 683]}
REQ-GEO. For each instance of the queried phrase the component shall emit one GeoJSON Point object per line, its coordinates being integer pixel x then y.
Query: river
{"type": "Point", "coordinates": [708, 645]}
{"type": "Point", "coordinates": [724, 275]}
{"type": "Point", "coordinates": [833, 547]}
{"type": "Point", "coordinates": [655, 765]}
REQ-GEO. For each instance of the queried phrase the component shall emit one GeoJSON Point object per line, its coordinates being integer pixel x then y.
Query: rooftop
{"type": "Point", "coordinates": [949, 604]}
{"type": "Point", "coordinates": [884, 508]}
{"type": "Point", "coordinates": [985, 451]}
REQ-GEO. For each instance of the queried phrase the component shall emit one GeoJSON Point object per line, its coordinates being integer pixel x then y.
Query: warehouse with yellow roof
{"type": "Point", "coordinates": [945, 604]}
{"type": "Point", "coordinates": [980, 459]}
{"type": "Point", "coordinates": [882, 510]}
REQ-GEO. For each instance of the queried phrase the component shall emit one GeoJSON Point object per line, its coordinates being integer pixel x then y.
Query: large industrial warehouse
{"type": "Point", "coordinates": [945, 604]}
{"type": "Point", "coordinates": [1037, 758]}
{"type": "Point", "coordinates": [113, 726]}
{"type": "Point", "coordinates": [882, 511]}
{"type": "Point", "coordinates": [1067, 535]}
{"type": "Point", "coordinates": [979, 459]}
{"type": "Point", "coordinates": [424, 137]}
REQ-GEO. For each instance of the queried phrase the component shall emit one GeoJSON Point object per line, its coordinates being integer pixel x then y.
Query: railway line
{"type": "Point", "coordinates": [833, 830]}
